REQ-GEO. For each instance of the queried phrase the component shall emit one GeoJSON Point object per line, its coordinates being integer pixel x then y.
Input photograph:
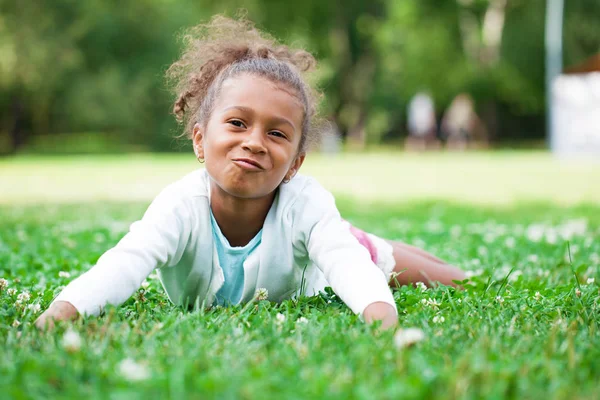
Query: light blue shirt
{"type": "Point", "coordinates": [231, 260]}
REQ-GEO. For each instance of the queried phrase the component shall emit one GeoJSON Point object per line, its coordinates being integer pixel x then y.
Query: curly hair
{"type": "Point", "coordinates": [224, 48]}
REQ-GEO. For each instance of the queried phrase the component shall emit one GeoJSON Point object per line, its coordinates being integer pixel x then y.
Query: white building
{"type": "Point", "coordinates": [576, 110]}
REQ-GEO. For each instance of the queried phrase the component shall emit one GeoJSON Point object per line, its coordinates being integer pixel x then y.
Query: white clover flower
{"type": "Point", "coordinates": [23, 297]}
{"type": "Point", "coordinates": [261, 294]}
{"type": "Point", "coordinates": [504, 270]}
{"type": "Point", "coordinates": [559, 322]}
{"type": "Point", "coordinates": [64, 274]}
{"type": "Point", "coordinates": [590, 281]}
{"type": "Point", "coordinates": [455, 231]}
{"type": "Point", "coordinates": [145, 285]}
{"type": "Point", "coordinates": [538, 295]}
{"type": "Point", "coordinates": [438, 319]}
{"type": "Point", "coordinates": [238, 331]}
{"type": "Point", "coordinates": [476, 261]}
{"type": "Point", "coordinates": [11, 291]}
{"type": "Point", "coordinates": [535, 232]}
{"type": "Point", "coordinates": [434, 226]}
{"type": "Point", "coordinates": [418, 242]}
{"type": "Point", "coordinates": [515, 275]}
{"type": "Point", "coordinates": [499, 299]}
{"type": "Point", "coordinates": [280, 318]}
{"type": "Point", "coordinates": [489, 238]}
{"type": "Point", "coordinates": [407, 337]}
{"type": "Point", "coordinates": [69, 243]}
{"type": "Point", "coordinates": [133, 371]}
{"type": "Point", "coordinates": [424, 301]}
{"type": "Point", "coordinates": [34, 308]}
{"type": "Point", "coordinates": [3, 284]}
{"type": "Point", "coordinates": [302, 320]}
{"type": "Point", "coordinates": [16, 324]}
{"type": "Point", "coordinates": [479, 271]}
{"type": "Point", "coordinates": [433, 303]}
{"type": "Point", "coordinates": [533, 258]}
{"type": "Point", "coordinates": [577, 292]}
{"type": "Point", "coordinates": [551, 236]}
{"type": "Point", "coordinates": [510, 242]}
{"type": "Point", "coordinates": [574, 227]}
{"type": "Point", "coordinates": [22, 235]}
{"type": "Point", "coordinates": [71, 341]}
{"type": "Point", "coordinates": [421, 286]}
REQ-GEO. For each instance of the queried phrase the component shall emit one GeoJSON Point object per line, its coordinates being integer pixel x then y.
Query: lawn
{"type": "Point", "coordinates": [525, 226]}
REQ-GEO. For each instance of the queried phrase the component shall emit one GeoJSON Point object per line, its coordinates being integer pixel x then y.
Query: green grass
{"type": "Point", "coordinates": [526, 328]}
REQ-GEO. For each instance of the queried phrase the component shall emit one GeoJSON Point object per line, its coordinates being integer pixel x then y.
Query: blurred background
{"type": "Point", "coordinates": [88, 76]}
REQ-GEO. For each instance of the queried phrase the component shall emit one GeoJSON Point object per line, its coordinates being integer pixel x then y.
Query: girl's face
{"type": "Point", "coordinates": [250, 143]}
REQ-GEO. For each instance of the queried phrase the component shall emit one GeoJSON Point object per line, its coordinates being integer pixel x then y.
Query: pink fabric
{"type": "Point", "coordinates": [365, 241]}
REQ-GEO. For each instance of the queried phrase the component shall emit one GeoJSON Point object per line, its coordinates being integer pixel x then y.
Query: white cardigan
{"type": "Point", "coordinates": [305, 247]}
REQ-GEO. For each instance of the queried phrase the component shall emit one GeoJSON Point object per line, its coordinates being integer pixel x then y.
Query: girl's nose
{"type": "Point", "coordinates": [254, 141]}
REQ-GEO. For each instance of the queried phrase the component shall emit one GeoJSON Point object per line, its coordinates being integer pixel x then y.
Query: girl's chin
{"type": "Point", "coordinates": [244, 190]}
{"type": "Point", "coordinates": [245, 186]}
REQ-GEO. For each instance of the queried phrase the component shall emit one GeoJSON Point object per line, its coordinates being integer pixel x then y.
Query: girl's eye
{"type": "Point", "coordinates": [237, 123]}
{"type": "Point", "coordinates": [277, 134]}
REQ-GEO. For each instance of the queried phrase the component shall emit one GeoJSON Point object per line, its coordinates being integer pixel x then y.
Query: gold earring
{"type": "Point", "coordinates": [200, 160]}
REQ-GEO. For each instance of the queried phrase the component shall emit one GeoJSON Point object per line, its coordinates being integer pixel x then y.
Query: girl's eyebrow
{"type": "Point", "coordinates": [277, 120]}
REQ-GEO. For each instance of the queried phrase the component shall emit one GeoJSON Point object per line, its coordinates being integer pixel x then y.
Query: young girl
{"type": "Point", "coordinates": [247, 222]}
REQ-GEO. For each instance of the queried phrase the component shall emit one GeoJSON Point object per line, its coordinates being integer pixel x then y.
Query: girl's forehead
{"type": "Point", "coordinates": [260, 94]}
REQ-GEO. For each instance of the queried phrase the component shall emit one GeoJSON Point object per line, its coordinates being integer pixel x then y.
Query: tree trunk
{"type": "Point", "coordinates": [17, 133]}
{"type": "Point", "coordinates": [357, 136]}
{"type": "Point", "coordinates": [489, 114]}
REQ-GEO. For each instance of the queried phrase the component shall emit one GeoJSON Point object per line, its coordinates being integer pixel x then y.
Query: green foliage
{"type": "Point", "coordinates": [97, 66]}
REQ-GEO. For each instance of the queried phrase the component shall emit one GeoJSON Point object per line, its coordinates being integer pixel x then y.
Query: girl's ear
{"type": "Point", "coordinates": [198, 141]}
{"type": "Point", "coordinates": [295, 167]}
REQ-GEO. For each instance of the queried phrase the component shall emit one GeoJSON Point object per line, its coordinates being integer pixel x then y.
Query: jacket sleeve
{"type": "Point", "coordinates": [157, 240]}
{"type": "Point", "coordinates": [346, 264]}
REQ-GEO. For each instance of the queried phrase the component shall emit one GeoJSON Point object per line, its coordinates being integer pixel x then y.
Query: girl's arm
{"type": "Point", "coordinates": [346, 264]}
{"type": "Point", "coordinates": [348, 268]}
{"type": "Point", "coordinates": [157, 240]}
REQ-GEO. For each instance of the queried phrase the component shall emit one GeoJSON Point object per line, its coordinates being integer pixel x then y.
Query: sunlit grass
{"type": "Point", "coordinates": [499, 178]}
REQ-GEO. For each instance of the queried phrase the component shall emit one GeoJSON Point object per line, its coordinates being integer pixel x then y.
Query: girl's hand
{"type": "Point", "coordinates": [58, 311]}
{"type": "Point", "coordinates": [383, 312]}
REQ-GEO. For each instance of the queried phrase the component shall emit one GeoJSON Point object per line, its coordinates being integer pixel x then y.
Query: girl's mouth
{"type": "Point", "coordinates": [248, 164]}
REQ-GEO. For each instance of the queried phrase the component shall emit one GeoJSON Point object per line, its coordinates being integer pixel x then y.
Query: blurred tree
{"type": "Point", "coordinates": [450, 48]}
{"type": "Point", "coordinates": [37, 52]}
{"type": "Point", "coordinates": [97, 66]}
{"type": "Point", "coordinates": [70, 66]}
{"type": "Point", "coordinates": [582, 30]}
